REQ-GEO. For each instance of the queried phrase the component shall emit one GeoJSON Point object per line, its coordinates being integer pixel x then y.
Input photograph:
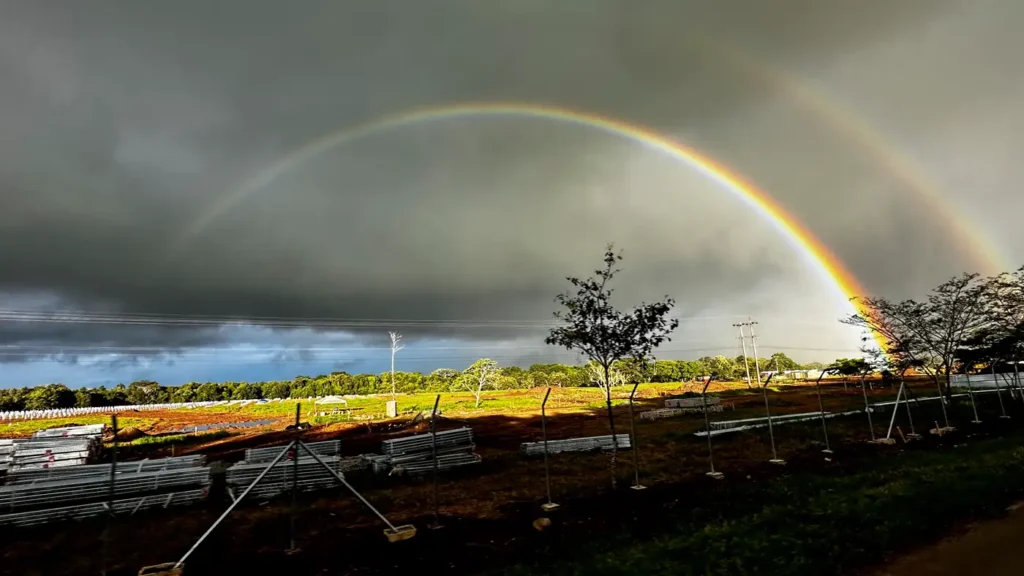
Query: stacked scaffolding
{"type": "Point", "coordinates": [311, 474]}
{"type": "Point", "coordinates": [413, 454]}
{"type": "Point", "coordinates": [267, 454]}
{"type": "Point", "coordinates": [37, 475]}
{"type": "Point", "coordinates": [52, 448]}
{"type": "Point", "coordinates": [586, 444]}
{"type": "Point", "coordinates": [39, 500]}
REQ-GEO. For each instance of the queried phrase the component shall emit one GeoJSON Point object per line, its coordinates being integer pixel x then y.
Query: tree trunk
{"type": "Point", "coordinates": [611, 422]}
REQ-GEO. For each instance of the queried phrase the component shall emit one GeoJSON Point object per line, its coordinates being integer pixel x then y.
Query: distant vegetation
{"type": "Point", "coordinates": [442, 380]}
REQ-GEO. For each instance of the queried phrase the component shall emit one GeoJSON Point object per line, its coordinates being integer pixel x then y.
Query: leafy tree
{"type": "Point", "coordinates": [117, 396]}
{"type": "Point", "coordinates": [1004, 314]}
{"type": "Point", "coordinates": [928, 335]}
{"type": "Point", "coordinates": [49, 397]}
{"type": "Point", "coordinates": [276, 390]}
{"type": "Point", "coordinates": [783, 362]}
{"type": "Point", "coordinates": [145, 392]}
{"type": "Point", "coordinates": [605, 335]}
{"type": "Point", "coordinates": [13, 400]}
{"type": "Point", "coordinates": [483, 373]}
{"type": "Point", "coordinates": [246, 391]}
{"type": "Point", "coordinates": [722, 368]}
{"type": "Point", "coordinates": [209, 392]}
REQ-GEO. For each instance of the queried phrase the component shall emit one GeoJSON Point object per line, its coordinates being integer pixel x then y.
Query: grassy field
{"type": "Point", "coordinates": [811, 523]}
{"type": "Point", "coordinates": [371, 408]}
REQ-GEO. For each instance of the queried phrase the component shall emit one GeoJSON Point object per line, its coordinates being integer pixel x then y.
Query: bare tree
{"type": "Point", "coordinates": [395, 347]}
{"type": "Point", "coordinates": [605, 335]}
{"type": "Point", "coordinates": [928, 334]}
{"type": "Point", "coordinates": [615, 376]}
{"type": "Point", "coordinates": [483, 374]}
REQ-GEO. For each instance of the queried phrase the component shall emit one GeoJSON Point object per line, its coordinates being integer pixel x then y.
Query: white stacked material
{"type": "Point", "coordinates": [415, 454]}
{"type": "Point", "coordinates": [780, 419]}
{"type": "Point", "coordinates": [671, 412]}
{"type": "Point", "coordinates": [730, 426]}
{"type": "Point", "coordinates": [93, 430]}
{"type": "Point", "coordinates": [33, 476]}
{"type": "Point", "coordinates": [53, 452]}
{"type": "Point", "coordinates": [72, 412]}
{"type": "Point", "coordinates": [62, 493]}
{"type": "Point", "coordinates": [312, 475]}
{"type": "Point", "coordinates": [697, 403]}
{"type": "Point", "coordinates": [585, 444]}
{"type": "Point", "coordinates": [120, 507]}
{"type": "Point", "coordinates": [267, 454]}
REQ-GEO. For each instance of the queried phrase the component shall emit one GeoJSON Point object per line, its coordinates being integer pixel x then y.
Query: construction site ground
{"type": "Point", "coordinates": [487, 510]}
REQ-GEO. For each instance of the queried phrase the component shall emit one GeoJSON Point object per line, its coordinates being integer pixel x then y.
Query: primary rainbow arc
{"type": "Point", "coordinates": [820, 255]}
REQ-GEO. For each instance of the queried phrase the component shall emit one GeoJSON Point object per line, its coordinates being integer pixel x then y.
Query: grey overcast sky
{"type": "Point", "coordinates": [884, 127]}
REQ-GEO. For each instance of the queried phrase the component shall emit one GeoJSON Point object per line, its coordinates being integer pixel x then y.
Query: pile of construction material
{"type": "Point", "coordinates": [38, 475]}
{"type": "Point", "coordinates": [40, 496]}
{"type": "Point", "coordinates": [730, 426]}
{"type": "Point", "coordinates": [52, 448]}
{"type": "Point", "coordinates": [307, 475]}
{"type": "Point", "coordinates": [415, 454]}
{"type": "Point", "coordinates": [586, 444]}
{"type": "Point", "coordinates": [695, 403]}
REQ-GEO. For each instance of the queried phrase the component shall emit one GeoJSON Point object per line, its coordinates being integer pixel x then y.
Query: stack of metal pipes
{"type": "Point", "coordinates": [585, 444]}
{"type": "Point", "coordinates": [416, 454]}
{"type": "Point", "coordinates": [30, 500]}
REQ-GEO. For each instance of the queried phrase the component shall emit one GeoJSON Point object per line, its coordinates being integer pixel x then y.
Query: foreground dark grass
{"type": "Point", "coordinates": [811, 523]}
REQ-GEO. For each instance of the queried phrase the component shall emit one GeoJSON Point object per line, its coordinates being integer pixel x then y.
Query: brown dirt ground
{"type": "Point", "coordinates": [487, 510]}
{"type": "Point", "coordinates": [991, 548]}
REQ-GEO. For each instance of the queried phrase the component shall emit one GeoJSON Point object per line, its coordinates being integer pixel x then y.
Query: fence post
{"type": "Point", "coordinates": [821, 410]}
{"type": "Point", "coordinates": [295, 481]}
{"type": "Point", "coordinates": [970, 393]}
{"type": "Point", "coordinates": [707, 427]}
{"type": "Point", "coordinates": [771, 433]}
{"type": "Point", "coordinates": [433, 455]}
{"type": "Point", "coordinates": [632, 441]}
{"type": "Point", "coordinates": [547, 471]}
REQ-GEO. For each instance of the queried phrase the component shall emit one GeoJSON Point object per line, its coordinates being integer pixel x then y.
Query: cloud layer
{"type": "Point", "coordinates": [123, 125]}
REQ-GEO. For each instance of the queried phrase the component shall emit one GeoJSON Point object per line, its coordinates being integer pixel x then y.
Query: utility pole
{"type": "Point", "coordinates": [743, 342]}
{"type": "Point", "coordinates": [753, 343]}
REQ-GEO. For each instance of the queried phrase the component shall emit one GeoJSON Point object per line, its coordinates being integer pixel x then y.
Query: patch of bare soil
{"type": "Point", "coordinates": [991, 548]}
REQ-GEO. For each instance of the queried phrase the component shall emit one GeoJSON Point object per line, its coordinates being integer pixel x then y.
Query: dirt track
{"type": "Point", "coordinates": [992, 548]}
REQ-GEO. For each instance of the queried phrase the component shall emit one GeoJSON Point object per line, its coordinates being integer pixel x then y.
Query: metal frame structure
{"type": "Point", "coordinates": [394, 533]}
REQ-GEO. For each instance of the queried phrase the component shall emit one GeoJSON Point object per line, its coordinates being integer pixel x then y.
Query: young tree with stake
{"type": "Point", "coordinates": [605, 335]}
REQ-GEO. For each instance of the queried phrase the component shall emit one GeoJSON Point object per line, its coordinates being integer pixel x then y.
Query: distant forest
{"type": "Point", "coordinates": [337, 383]}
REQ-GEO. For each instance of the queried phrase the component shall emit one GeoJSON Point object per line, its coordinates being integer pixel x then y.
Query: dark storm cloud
{"type": "Point", "coordinates": [124, 122]}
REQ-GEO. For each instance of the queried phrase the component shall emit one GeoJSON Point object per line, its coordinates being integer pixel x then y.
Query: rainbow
{"type": "Point", "coordinates": [872, 142]}
{"type": "Point", "coordinates": [789, 226]}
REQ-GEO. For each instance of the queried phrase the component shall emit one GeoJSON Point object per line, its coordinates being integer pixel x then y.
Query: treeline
{"type": "Point", "coordinates": [338, 383]}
